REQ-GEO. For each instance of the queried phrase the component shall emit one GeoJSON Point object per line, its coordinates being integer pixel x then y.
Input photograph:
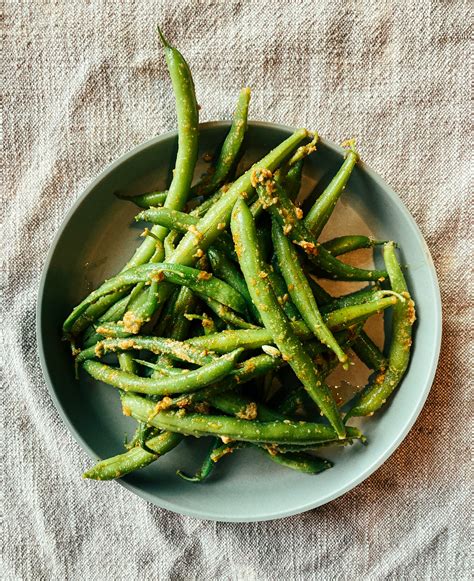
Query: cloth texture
{"type": "Point", "coordinates": [84, 82]}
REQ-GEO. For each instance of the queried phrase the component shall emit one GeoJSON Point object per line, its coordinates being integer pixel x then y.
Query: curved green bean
{"type": "Point", "coordinates": [230, 147]}
{"type": "Point", "coordinates": [345, 244]}
{"type": "Point", "coordinates": [374, 396]}
{"type": "Point", "coordinates": [300, 291]}
{"type": "Point", "coordinates": [135, 458]}
{"type": "Point", "coordinates": [186, 382]}
{"type": "Point", "coordinates": [226, 341]}
{"type": "Point", "coordinates": [176, 349]}
{"type": "Point", "coordinates": [206, 468]}
{"type": "Point", "coordinates": [322, 209]}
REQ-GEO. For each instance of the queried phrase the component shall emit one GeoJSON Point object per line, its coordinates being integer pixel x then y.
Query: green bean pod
{"type": "Point", "coordinates": [246, 371]}
{"type": "Point", "coordinates": [135, 458]}
{"type": "Point", "coordinates": [185, 382]}
{"type": "Point", "coordinates": [230, 147]}
{"type": "Point", "coordinates": [368, 352]}
{"type": "Point", "coordinates": [192, 424]}
{"type": "Point", "coordinates": [147, 200]}
{"type": "Point", "coordinates": [176, 349]}
{"type": "Point", "coordinates": [375, 395]}
{"type": "Point", "coordinates": [292, 349]}
{"type": "Point", "coordinates": [300, 461]}
{"type": "Point", "coordinates": [322, 209]}
{"type": "Point", "coordinates": [300, 291]}
{"type": "Point", "coordinates": [226, 341]}
{"type": "Point", "coordinates": [345, 244]}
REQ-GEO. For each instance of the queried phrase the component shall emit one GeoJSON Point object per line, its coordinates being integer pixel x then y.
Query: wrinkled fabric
{"type": "Point", "coordinates": [85, 82]}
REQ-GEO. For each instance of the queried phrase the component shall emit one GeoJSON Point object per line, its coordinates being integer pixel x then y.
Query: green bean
{"type": "Point", "coordinates": [301, 462]}
{"type": "Point", "coordinates": [188, 129]}
{"type": "Point", "coordinates": [226, 341]}
{"type": "Point", "coordinates": [374, 396]}
{"type": "Point", "coordinates": [289, 217]}
{"type": "Point", "coordinates": [289, 175]}
{"type": "Point", "coordinates": [170, 219]}
{"type": "Point", "coordinates": [302, 152]}
{"type": "Point", "coordinates": [363, 346]}
{"type": "Point", "coordinates": [201, 282]}
{"type": "Point", "coordinates": [322, 209]}
{"type": "Point", "coordinates": [185, 382]}
{"type": "Point", "coordinates": [185, 303]}
{"type": "Point", "coordinates": [100, 309]}
{"type": "Point", "coordinates": [192, 424]}
{"type": "Point", "coordinates": [135, 458]}
{"type": "Point", "coordinates": [364, 295]}
{"type": "Point", "coordinates": [155, 198]}
{"type": "Point", "coordinates": [243, 373]}
{"type": "Point", "coordinates": [345, 244]}
{"type": "Point", "coordinates": [230, 147]}
{"type": "Point", "coordinates": [292, 349]}
{"type": "Point", "coordinates": [206, 468]}
{"type": "Point", "coordinates": [175, 349]}
{"type": "Point", "coordinates": [300, 291]}
{"type": "Point", "coordinates": [292, 180]}
{"type": "Point", "coordinates": [347, 316]}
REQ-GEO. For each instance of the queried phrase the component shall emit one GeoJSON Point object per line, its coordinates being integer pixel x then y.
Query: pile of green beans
{"type": "Point", "coordinates": [224, 293]}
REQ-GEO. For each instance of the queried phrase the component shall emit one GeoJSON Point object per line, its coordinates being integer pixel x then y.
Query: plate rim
{"type": "Point", "coordinates": [196, 513]}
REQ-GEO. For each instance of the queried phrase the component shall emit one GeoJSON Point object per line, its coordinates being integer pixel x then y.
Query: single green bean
{"type": "Point", "coordinates": [322, 209]}
{"type": "Point", "coordinates": [374, 396]}
{"type": "Point", "coordinates": [186, 382]}
{"type": "Point", "coordinates": [176, 349]}
{"type": "Point", "coordinates": [292, 349]}
{"type": "Point", "coordinates": [191, 424]}
{"type": "Point", "coordinates": [345, 244]}
{"type": "Point", "coordinates": [230, 148]}
{"type": "Point", "coordinates": [300, 461]}
{"type": "Point", "coordinates": [300, 291]}
{"type": "Point", "coordinates": [135, 458]}
{"type": "Point", "coordinates": [243, 373]}
{"type": "Point", "coordinates": [368, 352]}
{"type": "Point", "coordinates": [155, 198]}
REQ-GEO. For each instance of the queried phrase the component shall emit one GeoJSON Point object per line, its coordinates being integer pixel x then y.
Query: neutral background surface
{"type": "Point", "coordinates": [84, 82]}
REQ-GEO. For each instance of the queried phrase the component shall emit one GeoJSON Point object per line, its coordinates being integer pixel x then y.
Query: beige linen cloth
{"type": "Point", "coordinates": [84, 82]}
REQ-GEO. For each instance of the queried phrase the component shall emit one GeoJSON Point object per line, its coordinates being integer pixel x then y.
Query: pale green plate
{"type": "Point", "coordinates": [93, 243]}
